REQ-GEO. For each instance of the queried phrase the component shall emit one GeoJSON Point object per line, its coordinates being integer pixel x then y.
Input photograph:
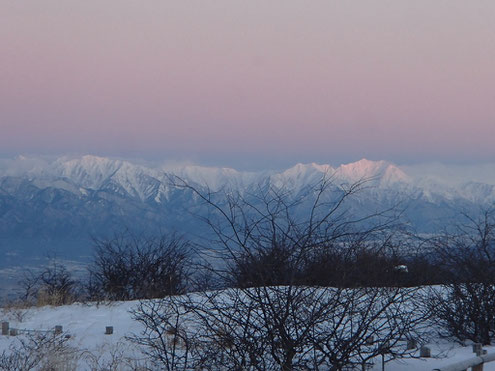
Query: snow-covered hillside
{"type": "Point", "coordinates": [86, 325]}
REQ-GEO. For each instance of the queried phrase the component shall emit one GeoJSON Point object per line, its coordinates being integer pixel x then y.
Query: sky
{"type": "Point", "coordinates": [250, 84]}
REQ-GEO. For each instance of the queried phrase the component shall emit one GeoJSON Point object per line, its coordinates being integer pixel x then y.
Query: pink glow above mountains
{"type": "Point", "coordinates": [381, 79]}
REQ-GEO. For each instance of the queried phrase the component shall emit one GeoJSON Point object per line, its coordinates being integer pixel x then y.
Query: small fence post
{"type": "Point", "coordinates": [478, 349]}
{"type": "Point", "coordinates": [58, 330]}
{"type": "Point", "coordinates": [425, 352]}
{"type": "Point", "coordinates": [5, 328]}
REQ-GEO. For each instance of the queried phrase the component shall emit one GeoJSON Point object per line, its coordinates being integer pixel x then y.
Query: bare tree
{"type": "Point", "coordinates": [165, 338]}
{"type": "Point", "coordinates": [281, 230]}
{"type": "Point", "coordinates": [133, 267]}
{"type": "Point", "coordinates": [465, 304]}
{"type": "Point", "coordinates": [280, 327]}
{"type": "Point", "coordinates": [53, 285]}
{"type": "Point", "coordinates": [273, 318]}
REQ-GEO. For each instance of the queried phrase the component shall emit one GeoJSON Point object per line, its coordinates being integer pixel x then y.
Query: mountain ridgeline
{"type": "Point", "coordinates": [60, 204]}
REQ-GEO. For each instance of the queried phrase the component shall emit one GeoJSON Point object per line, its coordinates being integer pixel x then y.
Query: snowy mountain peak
{"type": "Point", "coordinates": [300, 170]}
{"type": "Point", "coordinates": [379, 171]}
{"type": "Point", "coordinates": [145, 182]}
{"type": "Point", "coordinates": [88, 171]}
{"type": "Point", "coordinates": [363, 169]}
{"type": "Point", "coordinates": [382, 172]}
{"type": "Point", "coordinates": [69, 195]}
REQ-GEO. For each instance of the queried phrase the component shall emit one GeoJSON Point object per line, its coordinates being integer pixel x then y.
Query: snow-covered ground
{"type": "Point", "coordinates": [86, 323]}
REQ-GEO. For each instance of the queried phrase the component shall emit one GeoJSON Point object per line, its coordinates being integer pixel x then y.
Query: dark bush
{"type": "Point", "coordinates": [54, 285]}
{"type": "Point", "coordinates": [128, 267]}
{"type": "Point", "coordinates": [465, 304]}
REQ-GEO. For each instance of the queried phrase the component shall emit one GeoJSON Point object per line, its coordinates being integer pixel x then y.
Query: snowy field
{"type": "Point", "coordinates": [86, 325]}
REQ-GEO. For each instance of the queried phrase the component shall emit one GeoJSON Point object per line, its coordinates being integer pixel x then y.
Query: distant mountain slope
{"type": "Point", "coordinates": [70, 199]}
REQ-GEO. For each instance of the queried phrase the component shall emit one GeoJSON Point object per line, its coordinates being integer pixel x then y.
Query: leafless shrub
{"type": "Point", "coordinates": [113, 357]}
{"type": "Point", "coordinates": [465, 304]}
{"type": "Point", "coordinates": [283, 327]}
{"type": "Point", "coordinates": [15, 310]}
{"type": "Point", "coordinates": [273, 319]}
{"type": "Point", "coordinates": [165, 340]}
{"type": "Point", "coordinates": [42, 351]}
{"type": "Point", "coordinates": [54, 285]}
{"type": "Point", "coordinates": [129, 267]}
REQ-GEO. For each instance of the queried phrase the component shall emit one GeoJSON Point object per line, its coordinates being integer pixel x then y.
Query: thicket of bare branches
{"type": "Point", "coordinates": [465, 304]}
{"type": "Point", "coordinates": [53, 285]}
{"type": "Point", "coordinates": [131, 267]}
{"type": "Point", "coordinates": [41, 351]}
{"type": "Point", "coordinates": [281, 313]}
{"type": "Point", "coordinates": [274, 236]}
{"type": "Point", "coordinates": [48, 351]}
{"type": "Point", "coordinates": [280, 327]}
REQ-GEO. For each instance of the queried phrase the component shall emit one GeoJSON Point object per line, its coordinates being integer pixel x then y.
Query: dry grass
{"type": "Point", "coordinates": [42, 351]}
{"type": "Point", "coordinates": [55, 299]}
{"type": "Point", "coordinates": [15, 310]}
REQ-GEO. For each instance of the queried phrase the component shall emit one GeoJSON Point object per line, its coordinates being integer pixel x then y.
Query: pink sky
{"type": "Point", "coordinates": [240, 81]}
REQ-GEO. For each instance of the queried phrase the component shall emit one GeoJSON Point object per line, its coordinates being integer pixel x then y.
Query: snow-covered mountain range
{"type": "Point", "coordinates": [70, 199]}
